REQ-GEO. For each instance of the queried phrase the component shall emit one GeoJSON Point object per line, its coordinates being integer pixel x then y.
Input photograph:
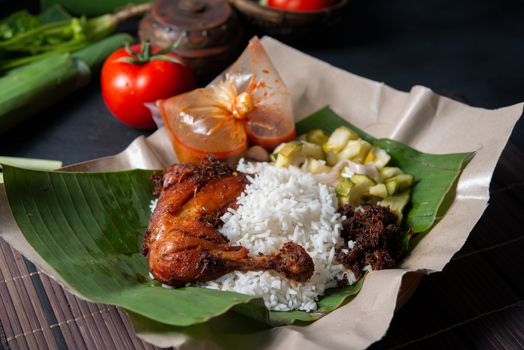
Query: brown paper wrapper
{"type": "Point", "coordinates": [420, 118]}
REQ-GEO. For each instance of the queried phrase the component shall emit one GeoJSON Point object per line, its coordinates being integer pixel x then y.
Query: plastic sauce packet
{"type": "Point", "coordinates": [249, 104]}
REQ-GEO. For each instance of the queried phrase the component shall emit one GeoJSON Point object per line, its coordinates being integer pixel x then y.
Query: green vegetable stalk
{"type": "Point", "coordinates": [25, 38]}
{"type": "Point", "coordinates": [29, 89]}
{"type": "Point", "coordinates": [29, 163]}
{"type": "Point", "coordinates": [91, 7]}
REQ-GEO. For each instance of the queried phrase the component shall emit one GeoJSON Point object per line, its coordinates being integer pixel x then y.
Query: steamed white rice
{"type": "Point", "coordinates": [281, 205]}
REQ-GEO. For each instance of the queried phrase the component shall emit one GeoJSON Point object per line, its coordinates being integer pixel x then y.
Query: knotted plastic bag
{"type": "Point", "coordinates": [249, 104]}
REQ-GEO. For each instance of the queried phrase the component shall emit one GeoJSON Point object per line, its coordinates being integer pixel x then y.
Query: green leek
{"type": "Point", "coordinates": [29, 163]}
{"type": "Point", "coordinates": [29, 89]}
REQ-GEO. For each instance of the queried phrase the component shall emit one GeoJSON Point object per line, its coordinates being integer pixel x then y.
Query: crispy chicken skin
{"type": "Point", "coordinates": [181, 242]}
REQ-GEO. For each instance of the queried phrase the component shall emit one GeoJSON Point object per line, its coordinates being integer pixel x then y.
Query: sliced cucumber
{"type": "Point", "coordinates": [389, 171]}
{"type": "Point", "coordinates": [317, 136]}
{"type": "Point", "coordinates": [398, 183]}
{"type": "Point", "coordinates": [396, 203]}
{"type": "Point", "coordinates": [313, 150]}
{"type": "Point", "coordinates": [379, 190]}
{"type": "Point", "coordinates": [290, 154]}
{"type": "Point", "coordinates": [355, 150]}
{"type": "Point", "coordinates": [339, 138]}
{"type": "Point", "coordinates": [344, 187]}
{"type": "Point", "coordinates": [342, 200]}
{"type": "Point", "coordinates": [315, 166]}
{"type": "Point", "coordinates": [378, 157]}
{"type": "Point", "coordinates": [362, 184]}
{"type": "Point", "coordinates": [331, 158]}
{"type": "Point", "coordinates": [343, 191]}
{"type": "Point", "coordinates": [273, 156]}
{"type": "Point", "coordinates": [290, 149]}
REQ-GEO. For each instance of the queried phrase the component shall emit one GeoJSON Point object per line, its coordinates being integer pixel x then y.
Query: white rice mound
{"type": "Point", "coordinates": [281, 205]}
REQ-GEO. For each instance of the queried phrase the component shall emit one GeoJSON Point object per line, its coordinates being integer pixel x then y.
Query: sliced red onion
{"type": "Point", "coordinates": [331, 178]}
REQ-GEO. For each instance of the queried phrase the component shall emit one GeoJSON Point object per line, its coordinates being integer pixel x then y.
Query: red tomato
{"type": "Point", "coordinates": [127, 86]}
{"type": "Point", "coordinates": [300, 5]}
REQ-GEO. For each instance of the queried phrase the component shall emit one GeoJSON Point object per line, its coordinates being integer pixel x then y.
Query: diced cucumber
{"type": "Point", "coordinates": [331, 158]}
{"type": "Point", "coordinates": [398, 183]}
{"type": "Point", "coordinates": [344, 187]}
{"type": "Point", "coordinates": [355, 150]}
{"type": "Point", "coordinates": [290, 149]}
{"type": "Point", "coordinates": [378, 157]}
{"type": "Point", "coordinates": [273, 156]}
{"type": "Point", "coordinates": [290, 154]}
{"type": "Point", "coordinates": [379, 190]}
{"type": "Point", "coordinates": [339, 138]}
{"type": "Point", "coordinates": [342, 200]}
{"type": "Point", "coordinates": [313, 150]}
{"type": "Point", "coordinates": [279, 147]}
{"type": "Point", "coordinates": [389, 171]}
{"type": "Point", "coordinates": [282, 162]}
{"type": "Point", "coordinates": [391, 186]}
{"type": "Point", "coordinates": [362, 179]}
{"type": "Point", "coordinates": [396, 203]}
{"type": "Point", "coordinates": [362, 184]}
{"type": "Point", "coordinates": [317, 136]}
{"type": "Point", "coordinates": [316, 166]}
{"type": "Point", "coordinates": [343, 191]}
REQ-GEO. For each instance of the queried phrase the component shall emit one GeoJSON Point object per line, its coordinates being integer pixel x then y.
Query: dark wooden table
{"type": "Point", "coordinates": [468, 50]}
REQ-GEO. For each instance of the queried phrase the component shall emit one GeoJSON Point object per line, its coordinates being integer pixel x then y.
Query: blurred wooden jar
{"type": "Point", "coordinates": [288, 25]}
{"type": "Point", "coordinates": [208, 32]}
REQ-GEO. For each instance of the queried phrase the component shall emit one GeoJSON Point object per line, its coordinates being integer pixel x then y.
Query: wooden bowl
{"type": "Point", "coordinates": [287, 24]}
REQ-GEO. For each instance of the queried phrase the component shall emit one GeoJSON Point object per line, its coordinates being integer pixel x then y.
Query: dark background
{"type": "Point", "coordinates": [468, 50]}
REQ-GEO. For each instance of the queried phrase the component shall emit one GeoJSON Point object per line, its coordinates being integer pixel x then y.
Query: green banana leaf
{"type": "Point", "coordinates": [89, 228]}
{"type": "Point", "coordinates": [434, 174]}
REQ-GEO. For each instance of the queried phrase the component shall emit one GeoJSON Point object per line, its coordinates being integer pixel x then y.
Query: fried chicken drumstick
{"type": "Point", "coordinates": [182, 244]}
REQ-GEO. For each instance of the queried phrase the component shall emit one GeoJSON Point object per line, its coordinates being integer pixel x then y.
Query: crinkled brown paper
{"type": "Point", "coordinates": [420, 118]}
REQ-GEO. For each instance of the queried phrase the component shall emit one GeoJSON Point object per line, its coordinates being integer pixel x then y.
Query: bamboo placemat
{"type": "Point", "coordinates": [36, 313]}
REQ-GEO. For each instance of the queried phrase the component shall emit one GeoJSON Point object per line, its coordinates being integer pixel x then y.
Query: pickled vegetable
{"type": "Point", "coordinates": [379, 190]}
{"type": "Point", "coordinates": [378, 157]}
{"type": "Point", "coordinates": [339, 138]}
{"type": "Point", "coordinates": [343, 191]}
{"type": "Point", "coordinates": [361, 188]}
{"type": "Point", "coordinates": [397, 203]}
{"type": "Point", "coordinates": [355, 150]}
{"type": "Point", "coordinates": [315, 166]}
{"type": "Point", "coordinates": [331, 158]}
{"type": "Point", "coordinates": [317, 136]}
{"type": "Point", "coordinates": [357, 169]}
{"type": "Point", "coordinates": [290, 154]}
{"type": "Point", "coordinates": [388, 172]}
{"type": "Point", "coordinates": [313, 150]}
{"type": "Point", "coordinates": [398, 183]}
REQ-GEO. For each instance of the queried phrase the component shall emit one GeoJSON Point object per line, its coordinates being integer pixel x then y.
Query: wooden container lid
{"type": "Point", "coordinates": [208, 32]}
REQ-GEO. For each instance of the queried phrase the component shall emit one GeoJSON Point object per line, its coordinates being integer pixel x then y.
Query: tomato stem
{"type": "Point", "coordinates": [145, 55]}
